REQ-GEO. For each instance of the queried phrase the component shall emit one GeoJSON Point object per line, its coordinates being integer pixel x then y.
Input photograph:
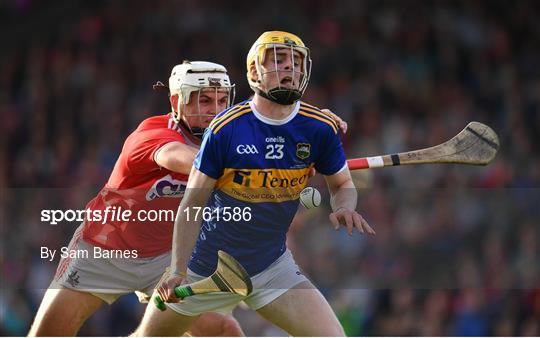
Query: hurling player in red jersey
{"type": "Point", "coordinates": [149, 175]}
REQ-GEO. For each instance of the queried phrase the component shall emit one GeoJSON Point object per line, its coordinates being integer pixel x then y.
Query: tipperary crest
{"type": "Point", "coordinates": [303, 150]}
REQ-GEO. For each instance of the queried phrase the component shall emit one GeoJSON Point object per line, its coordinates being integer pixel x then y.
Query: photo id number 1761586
{"type": "Point", "coordinates": [225, 214]}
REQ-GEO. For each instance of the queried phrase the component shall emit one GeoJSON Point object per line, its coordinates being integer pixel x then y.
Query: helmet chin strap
{"type": "Point", "coordinates": [281, 96]}
{"type": "Point", "coordinates": [198, 132]}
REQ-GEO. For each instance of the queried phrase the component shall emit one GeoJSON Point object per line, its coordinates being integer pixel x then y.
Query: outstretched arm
{"type": "Point", "coordinates": [343, 201]}
{"type": "Point", "coordinates": [186, 230]}
{"type": "Point", "coordinates": [187, 225]}
{"type": "Point", "coordinates": [176, 156]}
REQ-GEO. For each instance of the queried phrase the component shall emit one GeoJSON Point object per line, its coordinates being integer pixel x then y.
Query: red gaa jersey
{"type": "Point", "coordinates": [139, 185]}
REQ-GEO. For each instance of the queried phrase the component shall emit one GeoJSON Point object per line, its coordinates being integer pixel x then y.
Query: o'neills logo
{"type": "Point", "coordinates": [166, 187]}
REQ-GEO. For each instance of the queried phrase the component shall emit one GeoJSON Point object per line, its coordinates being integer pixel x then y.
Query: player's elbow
{"type": "Point", "coordinates": [177, 166]}
{"type": "Point", "coordinates": [176, 157]}
{"type": "Point", "coordinates": [340, 180]}
{"type": "Point", "coordinates": [172, 163]}
{"type": "Point", "coordinates": [345, 187]}
{"type": "Point", "coordinates": [347, 184]}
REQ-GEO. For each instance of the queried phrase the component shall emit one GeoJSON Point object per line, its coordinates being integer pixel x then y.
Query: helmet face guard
{"type": "Point", "coordinates": [184, 115]}
{"type": "Point", "coordinates": [271, 43]}
{"type": "Point", "coordinates": [202, 78]}
{"type": "Point", "coordinates": [281, 94]}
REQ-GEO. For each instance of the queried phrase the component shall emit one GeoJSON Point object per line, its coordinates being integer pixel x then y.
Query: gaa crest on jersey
{"type": "Point", "coordinates": [303, 150]}
{"type": "Point", "coordinates": [166, 187]}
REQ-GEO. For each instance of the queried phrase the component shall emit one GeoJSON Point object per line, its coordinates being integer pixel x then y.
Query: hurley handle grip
{"type": "Point", "coordinates": [181, 292]}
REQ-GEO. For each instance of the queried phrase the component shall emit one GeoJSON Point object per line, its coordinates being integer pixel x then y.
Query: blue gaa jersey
{"type": "Point", "coordinates": [260, 165]}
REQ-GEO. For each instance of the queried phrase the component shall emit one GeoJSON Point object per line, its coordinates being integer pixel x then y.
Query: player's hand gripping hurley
{"type": "Point", "coordinates": [477, 144]}
{"type": "Point", "coordinates": [229, 276]}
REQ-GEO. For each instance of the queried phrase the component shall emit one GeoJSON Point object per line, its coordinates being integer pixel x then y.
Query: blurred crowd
{"type": "Point", "coordinates": [457, 250]}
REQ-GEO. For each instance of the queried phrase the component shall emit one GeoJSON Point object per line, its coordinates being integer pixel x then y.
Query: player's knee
{"type": "Point", "coordinates": [60, 315]}
{"type": "Point", "coordinates": [136, 333]}
{"type": "Point", "coordinates": [231, 328]}
{"type": "Point", "coordinates": [53, 325]}
{"type": "Point", "coordinates": [145, 330]}
{"type": "Point", "coordinates": [332, 328]}
{"type": "Point", "coordinates": [337, 330]}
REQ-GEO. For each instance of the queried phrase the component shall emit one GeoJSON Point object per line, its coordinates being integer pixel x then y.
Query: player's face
{"type": "Point", "coordinates": [282, 67]}
{"type": "Point", "coordinates": [204, 105]}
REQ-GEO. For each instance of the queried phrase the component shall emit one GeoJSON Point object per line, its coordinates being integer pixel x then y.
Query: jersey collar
{"type": "Point", "coordinates": [274, 122]}
{"type": "Point", "coordinates": [179, 128]}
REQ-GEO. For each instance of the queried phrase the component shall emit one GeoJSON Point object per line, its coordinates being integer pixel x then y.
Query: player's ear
{"type": "Point", "coordinates": [174, 101]}
{"type": "Point", "coordinates": [253, 73]}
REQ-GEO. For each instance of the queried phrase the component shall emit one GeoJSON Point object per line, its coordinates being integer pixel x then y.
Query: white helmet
{"type": "Point", "coordinates": [192, 76]}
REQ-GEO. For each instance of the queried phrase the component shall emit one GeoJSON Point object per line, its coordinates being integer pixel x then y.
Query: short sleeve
{"type": "Point", "coordinates": [332, 157]}
{"type": "Point", "coordinates": [210, 159]}
{"type": "Point", "coordinates": [142, 147]}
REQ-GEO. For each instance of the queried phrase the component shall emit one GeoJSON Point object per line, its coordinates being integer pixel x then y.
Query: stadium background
{"type": "Point", "coordinates": [457, 249]}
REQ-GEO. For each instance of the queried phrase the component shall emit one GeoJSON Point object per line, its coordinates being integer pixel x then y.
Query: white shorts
{"type": "Point", "coordinates": [278, 278]}
{"type": "Point", "coordinates": [109, 278]}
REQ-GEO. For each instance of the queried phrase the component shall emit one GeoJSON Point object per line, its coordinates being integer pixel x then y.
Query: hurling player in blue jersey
{"type": "Point", "coordinates": [254, 160]}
